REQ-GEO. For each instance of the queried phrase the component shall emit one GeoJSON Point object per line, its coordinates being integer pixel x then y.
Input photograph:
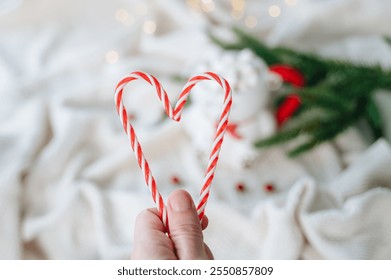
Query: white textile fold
{"type": "Point", "coordinates": [70, 187]}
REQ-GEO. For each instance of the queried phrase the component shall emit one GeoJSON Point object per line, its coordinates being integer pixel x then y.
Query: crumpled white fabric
{"type": "Point", "coordinates": [345, 220]}
{"type": "Point", "coordinates": [70, 187]}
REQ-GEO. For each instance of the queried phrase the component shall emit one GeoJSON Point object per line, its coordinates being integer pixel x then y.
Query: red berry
{"type": "Point", "coordinates": [268, 188]}
{"type": "Point", "coordinates": [175, 180]}
{"type": "Point", "coordinates": [240, 187]}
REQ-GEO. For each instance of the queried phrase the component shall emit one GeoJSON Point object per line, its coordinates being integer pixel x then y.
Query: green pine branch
{"type": "Point", "coordinates": [373, 118]}
{"type": "Point", "coordinates": [323, 97]}
{"type": "Point", "coordinates": [260, 49]}
{"type": "Point", "coordinates": [337, 95]}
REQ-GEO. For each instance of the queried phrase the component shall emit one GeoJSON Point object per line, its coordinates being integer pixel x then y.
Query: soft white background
{"type": "Point", "coordinates": [70, 187]}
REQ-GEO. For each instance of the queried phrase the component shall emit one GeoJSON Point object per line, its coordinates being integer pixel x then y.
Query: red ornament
{"type": "Point", "coordinates": [175, 180]}
{"type": "Point", "coordinates": [289, 74]}
{"type": "Point", "coordinates": [292, 102]}
{"type": "Point", "coordinates": [288, 107]}
{"type": "Point", "coordinates": [240, 187]}
{"type": "Point", "coordinates": [268, 188]}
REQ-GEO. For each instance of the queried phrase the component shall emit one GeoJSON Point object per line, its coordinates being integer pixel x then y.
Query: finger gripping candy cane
{"type": "Point", "coordinates": [175, 114]}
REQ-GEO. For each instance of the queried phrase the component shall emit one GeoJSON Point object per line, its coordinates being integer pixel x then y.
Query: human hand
{"type": "Point", "coordinates": [185, 242]}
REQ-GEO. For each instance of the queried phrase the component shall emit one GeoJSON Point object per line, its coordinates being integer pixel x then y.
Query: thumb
{"type": "Point", "coordinates": [185, 227]}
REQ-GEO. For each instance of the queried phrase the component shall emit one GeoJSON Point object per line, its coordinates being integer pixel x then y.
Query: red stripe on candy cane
{"type": "Point", "coordinates": [175, 114]}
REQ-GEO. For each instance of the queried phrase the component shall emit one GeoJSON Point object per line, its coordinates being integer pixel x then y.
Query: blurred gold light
{"type": "Point", "coordinates": [122, 15]}
{"type": "Point", "coordinates": [141, 9]}
{"type": "Point", "coordinates": [193, 4]}
{"type": "Point", "coordinates": [274, 11]}
{"type": "Point", "coordinates": [291, 2]}
{"type": "Point", "coordinates": [149, 27]}
{"type": "Point", "coordinates": [208, 6]}
{"type": "Point", "coordinates": [238, 5]}
{"type": "Point", "coordinates": [112, 57]}
{"type": "Point", "coordinates": [250, 21]}
{"type": "Point", "coordinates": [236, 14]}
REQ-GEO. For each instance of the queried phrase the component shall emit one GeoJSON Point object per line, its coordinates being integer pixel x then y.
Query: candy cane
{"type": "Point", "coordinates": [175, 114]}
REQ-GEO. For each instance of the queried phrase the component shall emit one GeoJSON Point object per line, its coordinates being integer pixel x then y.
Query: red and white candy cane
{"type": "Point", "coordinates": [175, 114]}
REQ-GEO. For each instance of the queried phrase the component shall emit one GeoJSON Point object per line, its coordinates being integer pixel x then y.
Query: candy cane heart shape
{"type": "Point", "coordinates": [175, 114]}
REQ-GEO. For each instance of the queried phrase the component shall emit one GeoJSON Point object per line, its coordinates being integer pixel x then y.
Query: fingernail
{"type": "Point", "coordinates": [181, 203]}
